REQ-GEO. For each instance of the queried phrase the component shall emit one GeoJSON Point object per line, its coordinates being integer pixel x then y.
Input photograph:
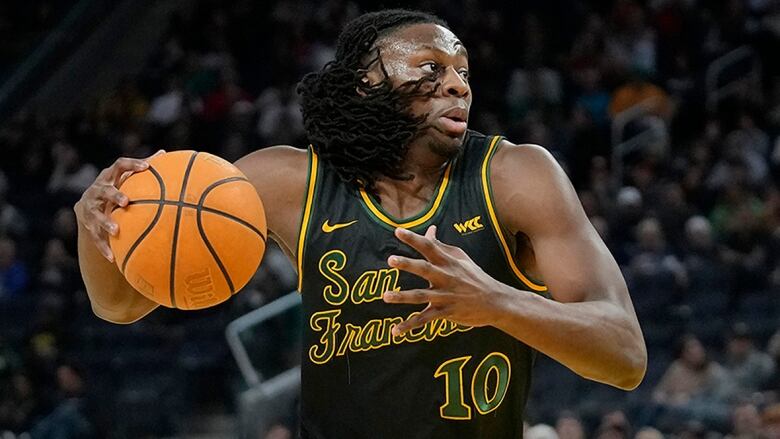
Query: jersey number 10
{"type": "Point", "coordinates": [455, 406]}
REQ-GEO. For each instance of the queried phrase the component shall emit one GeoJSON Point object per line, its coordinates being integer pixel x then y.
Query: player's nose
{"type": "Point", "coordinates": [453, 84]}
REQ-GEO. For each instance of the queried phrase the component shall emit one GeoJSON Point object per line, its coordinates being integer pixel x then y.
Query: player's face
{"type": "Point", "coordinates": [421, 50]}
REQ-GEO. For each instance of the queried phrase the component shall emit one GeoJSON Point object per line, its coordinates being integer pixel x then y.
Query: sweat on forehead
{"type": "Point", "coordinates": [419, 35]}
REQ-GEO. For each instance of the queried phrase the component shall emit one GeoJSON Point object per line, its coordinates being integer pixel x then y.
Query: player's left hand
{"type": "Point", "coordinates": [460, 291]}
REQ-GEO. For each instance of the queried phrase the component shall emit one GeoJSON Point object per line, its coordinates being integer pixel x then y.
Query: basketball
{"type": "Point", "coordinates": [193, 231]}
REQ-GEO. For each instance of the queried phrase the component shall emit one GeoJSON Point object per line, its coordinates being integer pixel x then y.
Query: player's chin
{"type": "Point", "coordinates": [454, 136]}
{"type": "Point", "coordinates": [447, 143]}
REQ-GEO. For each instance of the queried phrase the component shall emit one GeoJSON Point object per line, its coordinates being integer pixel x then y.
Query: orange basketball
{"type": "Point", "coordinates": [193, 231]}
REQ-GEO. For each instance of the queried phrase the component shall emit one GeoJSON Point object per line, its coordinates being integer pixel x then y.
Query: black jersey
{"type": "Point", "coordinates": [442, 380]}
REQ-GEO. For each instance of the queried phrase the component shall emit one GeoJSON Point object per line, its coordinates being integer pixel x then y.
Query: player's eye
{"type": "Point", "coordinates": [430, 67]}
{"type": "Point", "coordinates": [464, 74]}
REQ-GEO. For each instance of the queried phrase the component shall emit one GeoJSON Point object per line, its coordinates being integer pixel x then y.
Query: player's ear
{"type": "Point", "coordinates": [373, 74]}
{"type": "Point", "coordinates": [371, 77]}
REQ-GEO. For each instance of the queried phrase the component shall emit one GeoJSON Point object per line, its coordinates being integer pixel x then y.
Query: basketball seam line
{"type": "Point", "coordinates": [154, 220]}
{"type": "Point", "coordinates": [206, 209]}
{"type": "Point", "coordinates": [176, 228]}
{"type": "Point", "coordinates": [214, 254]}
{"type": "Point", "coordinates": [202, 232]}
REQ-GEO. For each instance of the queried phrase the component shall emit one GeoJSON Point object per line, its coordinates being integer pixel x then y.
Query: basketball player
{"type": "Point", "coordinates": [428, 254]}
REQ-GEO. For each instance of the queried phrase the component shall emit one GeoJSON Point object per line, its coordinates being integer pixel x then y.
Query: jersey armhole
{"type": "Point", "coordinates": [308, 201]}
{"type": "Point", "coordinates": [487, 191]}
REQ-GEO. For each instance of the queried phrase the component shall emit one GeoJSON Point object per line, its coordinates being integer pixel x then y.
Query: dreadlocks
{"type": "Point", "coordinates": [362, 130]}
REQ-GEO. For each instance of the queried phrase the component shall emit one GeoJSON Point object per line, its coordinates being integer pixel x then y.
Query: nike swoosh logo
{"type": "Point", "coordinates": [327, 228]}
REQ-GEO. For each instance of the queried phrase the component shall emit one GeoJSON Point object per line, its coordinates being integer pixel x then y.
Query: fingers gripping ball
{"type": "Point", "coordinates": [193, 232]}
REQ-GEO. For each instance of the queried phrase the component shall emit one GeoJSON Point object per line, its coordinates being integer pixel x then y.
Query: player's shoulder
{"type": "Point", "coordinates": [273, 156]}
{"type": "Point", "coordinates": [277, 171]}
{"type": "Point", "coordinates": [528, 178]}
{"type": "Point", "coordinates": [523, 161]}
{"type": "Point", "coordinates": [281, 163]}
{"type": "Point", "coordinates": [279, 174]}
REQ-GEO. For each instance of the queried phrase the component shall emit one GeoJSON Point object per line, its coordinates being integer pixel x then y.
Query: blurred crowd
{"type": "Point", "coordinates": [678, 171]}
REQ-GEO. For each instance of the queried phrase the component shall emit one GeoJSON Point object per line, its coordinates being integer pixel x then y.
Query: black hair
{"type": "Point", "coordinates": [362, 130]}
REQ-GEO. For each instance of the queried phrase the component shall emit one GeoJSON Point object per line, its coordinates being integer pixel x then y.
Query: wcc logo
{"type": "Point", "coordinates": [469, 226]}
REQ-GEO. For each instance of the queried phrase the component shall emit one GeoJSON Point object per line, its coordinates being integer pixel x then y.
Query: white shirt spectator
{"type": "Point", "coordinates": [166, 109]}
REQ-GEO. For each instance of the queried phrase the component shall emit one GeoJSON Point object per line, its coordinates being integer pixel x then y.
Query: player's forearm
{"type": "Point", "coordinates": [596, 339]}
{"type": "Point", "coordinates": [112, 298]}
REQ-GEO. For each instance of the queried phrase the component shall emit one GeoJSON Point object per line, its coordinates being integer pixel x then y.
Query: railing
{"type": "Point", "coordinates": [655, 131]}
{"type": "Point", "coordinates": [267, 399]}
{"type": "Point", "coordinates": [716, 92]}
{"type": "Point", "coordinates": [250, 320]}
{"type": "Point", "coordinates": [260, 406]}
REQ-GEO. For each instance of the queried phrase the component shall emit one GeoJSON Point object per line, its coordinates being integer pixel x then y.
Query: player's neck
{"type": "Point", "coordinates": [404, 198]}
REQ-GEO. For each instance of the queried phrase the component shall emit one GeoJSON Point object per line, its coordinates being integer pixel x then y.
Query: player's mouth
{"type": "Point", "coordinates": [454, 120]}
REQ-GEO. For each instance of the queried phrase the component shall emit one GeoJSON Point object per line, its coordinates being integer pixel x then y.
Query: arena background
{"type": "Point", "coordinates": [665, 114]}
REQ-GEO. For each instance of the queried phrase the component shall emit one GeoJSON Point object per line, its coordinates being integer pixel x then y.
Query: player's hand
{"type": "Point", "coordinates": [459, 289]}
{"type": "Point", "coordinates": [94, 208]}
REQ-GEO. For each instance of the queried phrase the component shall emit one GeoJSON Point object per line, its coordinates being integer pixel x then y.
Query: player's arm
{"type": "Point", "coordinates": [111, 296]}
{"type": "Point", "coordinates": [590, 327]}
{"type": "Point", "coordinates": [278, 174]}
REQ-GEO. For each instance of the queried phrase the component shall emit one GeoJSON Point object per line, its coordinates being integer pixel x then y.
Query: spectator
{"type": "Point", "coordinates": [648, 433]}
{"type": "Point", "coordinates": [58, 267]}
{"type": "Point", "coordinates": [773, 349]}
{"type": "Point", "coordinates": [593, 98]}
{"type": "Point", "coordinates": [693, 388]}
{"type": "Point", "coordinates": [167, 108]}
{"type": "Point", "coordinates": [68, 420]}
{"type": "Point", "coordinates": [530, 89]}
{"type": "Point", "coordinates": [280, 120]}
{"type": "Point", "coordinates": [750, 137]}
{"type": "Point", "coordinates": [746, 422]}
{"type": "Point", "coordinates": [626, 215]}
{"type": "Point", "coordinates": [692, 429]}
{"type": "Point", "coordinates": [705, 270]}
{"type": "Point", "coordinates": [691, 374]}
{"type": "Point", "coordinates": [631, 44]}
{"type": "Point", "coordinates": [652, 259]}
{"type": "Point", "coordinates": [12, 222]}
{"type": "Point", "coordinates": [65, 228]}
{"type": "Point", "coordinates": [614, 425]}
{"type": "Point", "coordinates": [541, 431]}
{"type": "Point", "coordinates": [18, 404]}
{"type": "Point", "coordinates": [218, 105]}
{"type": "Point", "coordinates": [770, 419]}
{"type": "Point", "coordinates": [674, 214]}
{"type": "Point", "coordinates": [741, 162]}
{"type": "Point", "coordinates": [13, 272]}
{"type": "Point", "coordinates": [749, 368]}
{"type": "Point", "coordinates": [279, 431]}
{"type": "Point", "coordinates": [71, 177]}
{"type": "Point", "coordinates": [569, 426]}
{"type": "Point", "coordinates": [736, 220]}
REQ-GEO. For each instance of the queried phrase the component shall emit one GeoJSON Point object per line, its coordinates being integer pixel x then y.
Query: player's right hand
{"type": "Point", "coordinates": [94, 208]}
